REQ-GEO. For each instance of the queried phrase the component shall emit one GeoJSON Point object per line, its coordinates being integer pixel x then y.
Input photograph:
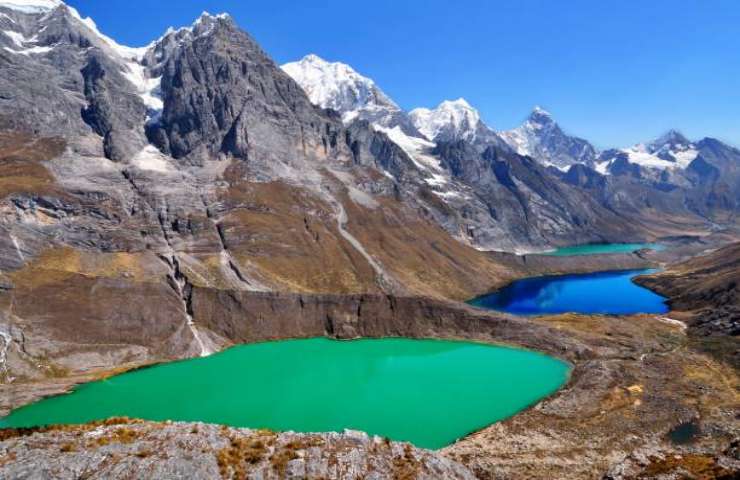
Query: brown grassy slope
{"type": "Point", "coordinates": [291, 238]}
{"type": "Point", "coordinates": [21, 170]}
{"type": "Point", "coordinates": [420, 254]}
{"type": "Point", "coordinates": [707, 281]}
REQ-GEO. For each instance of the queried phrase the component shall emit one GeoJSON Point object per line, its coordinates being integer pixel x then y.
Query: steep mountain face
{"type": "Point", "coordinates": [55, 65]}
{"type": "Point", "coordinates": [541, 138]}
{"type": "Point", "coordinates": [532, 203]}
{"type": "Point", "coordinates": [223, 95]}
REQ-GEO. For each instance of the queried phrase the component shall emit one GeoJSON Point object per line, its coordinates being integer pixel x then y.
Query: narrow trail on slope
{"type": "Point", "coordinates": [381, 276]}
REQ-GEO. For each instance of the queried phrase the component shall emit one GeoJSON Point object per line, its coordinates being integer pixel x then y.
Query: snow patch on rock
{"type": "Point", "coordinates": [31, 50]}
{"type": "Point", "coordinates": [418, 150]}
{"type": "Point", "coordinates": [31, 6]}
{"type": "Point", "coordinates": [149, 158]}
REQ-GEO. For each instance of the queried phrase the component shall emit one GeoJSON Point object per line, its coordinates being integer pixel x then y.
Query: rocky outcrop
{"type": "Point", "coordinates": [222, 94]}
{"type": "Point", "coordinates": [247, 317]}
{"type": "Point", "coordinates": [121, 448]}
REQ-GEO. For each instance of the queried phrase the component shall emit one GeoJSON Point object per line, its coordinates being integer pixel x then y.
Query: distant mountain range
{"type": "Point", "coordinates": [696, 181]}
{"type": "Point", "coordinates": [540, 137]}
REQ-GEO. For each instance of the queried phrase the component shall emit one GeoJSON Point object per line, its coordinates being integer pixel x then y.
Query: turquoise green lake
{"type": "Point", "coordinates": [428, 392]}
{"type": "Point", "coordinates": [598, 248]}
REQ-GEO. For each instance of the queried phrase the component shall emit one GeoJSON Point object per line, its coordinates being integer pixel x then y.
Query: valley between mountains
{"type": "Point", "coordinates": [172, 201]}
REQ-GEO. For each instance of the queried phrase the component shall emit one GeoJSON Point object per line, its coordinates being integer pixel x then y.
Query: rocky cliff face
{"type": "Point", "coordinates": [223, 95]}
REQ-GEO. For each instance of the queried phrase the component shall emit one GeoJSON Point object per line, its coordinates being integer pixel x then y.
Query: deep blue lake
{"type": "Point", "coordinates": [611, 292]}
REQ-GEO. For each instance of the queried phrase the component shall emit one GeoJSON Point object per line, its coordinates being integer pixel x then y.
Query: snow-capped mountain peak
{"type": "Point", "coordinates": [540, 113]}
{"type": "Point", "coordinates": [450, 120]}
{"type": "Point", "coordinates": [541, 138]}
{"type": "Point", "coordinates": [670, 150]}
{"type": "Point", "coordinates": [338, 86]}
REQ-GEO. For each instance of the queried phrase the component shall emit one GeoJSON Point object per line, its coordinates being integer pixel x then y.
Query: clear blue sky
{"type": "Point", "coordinates": [615, 72]}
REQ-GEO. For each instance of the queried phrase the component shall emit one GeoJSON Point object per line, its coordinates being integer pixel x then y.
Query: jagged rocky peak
{"type": "Point", "coordinates": [541, 138]}
{"type": "Point", "coordinates": [222, 94]}
{"type": "Point", "coordinates": [159, 51]}
{"type": "Point", "coordinates": [672, 139]}
{"type": "Point", "coordinates": [540, 116]}
{"type": "Point", "coordinates": [451, 120]}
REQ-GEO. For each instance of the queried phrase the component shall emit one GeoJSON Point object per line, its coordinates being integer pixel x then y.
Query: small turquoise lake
{"type": "Point", "coordinates": [611, 292]}
{"type": "Point", "coordinates": [601, 248]}
{"type": "Point", "coordinates": [428, 392]}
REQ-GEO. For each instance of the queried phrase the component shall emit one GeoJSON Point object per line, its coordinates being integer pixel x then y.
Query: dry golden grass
{"type": "Point", "coordinates": [297, 251]}
{"type": "Point", "coordinates": [290, 236]}
{"type": "Point", "coordinates": [58, 264]}
{"type": "Point", "coordinates": [234, 459]}
{"type": "Point", "coordinates": [424, 257]}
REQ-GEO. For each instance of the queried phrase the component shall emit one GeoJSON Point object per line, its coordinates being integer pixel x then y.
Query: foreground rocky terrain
{"type": "Point", "coordinates": [121, 448]}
